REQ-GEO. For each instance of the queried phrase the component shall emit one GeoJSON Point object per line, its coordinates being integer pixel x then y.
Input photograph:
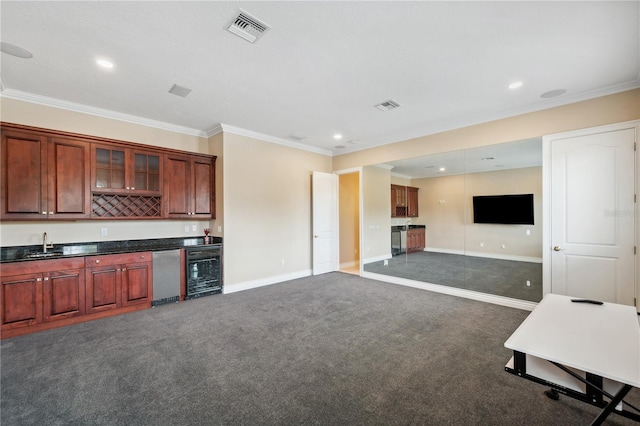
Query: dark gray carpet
{"type": "Point", "coordinates": [335, 349]}
{"type": "Point", "coordinates": [492, 276]}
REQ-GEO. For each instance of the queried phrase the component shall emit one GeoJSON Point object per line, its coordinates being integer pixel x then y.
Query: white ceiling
{"type": "Point", "coordinates": [322, 66]}
{"type": "Point", "coordinates": [503, 156]}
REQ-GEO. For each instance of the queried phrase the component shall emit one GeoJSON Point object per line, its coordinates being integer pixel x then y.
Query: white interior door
{"type": "Point", "coordinates": [325, 222]}
{"type": "Point", "coordinates": [593, 215]}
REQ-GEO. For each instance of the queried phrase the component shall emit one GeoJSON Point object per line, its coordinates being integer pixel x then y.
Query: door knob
{"type": "Point", "coordinates": [557, 248]}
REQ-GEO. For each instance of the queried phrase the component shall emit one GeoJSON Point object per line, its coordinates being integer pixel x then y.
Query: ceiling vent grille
{"type": "Point", "coordinates": [179, 90]}
{"type": "Point", "coordinates": [388, 105]}
{"type": "Point", "coordinates": [247, 27]}
{"type": "Point", "coordinates": [297, 137]}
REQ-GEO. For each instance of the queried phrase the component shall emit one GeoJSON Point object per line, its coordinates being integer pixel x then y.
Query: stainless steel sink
{"type": "Point", "coordinates": [39, 255]}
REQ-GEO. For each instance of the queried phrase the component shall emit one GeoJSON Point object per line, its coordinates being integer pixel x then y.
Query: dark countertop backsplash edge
{"type": "Point", "coordinates": [20, 253]}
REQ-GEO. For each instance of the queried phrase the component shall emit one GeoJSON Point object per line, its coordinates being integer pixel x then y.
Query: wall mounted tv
{"type": "Point", "coordinates": [503, 209]}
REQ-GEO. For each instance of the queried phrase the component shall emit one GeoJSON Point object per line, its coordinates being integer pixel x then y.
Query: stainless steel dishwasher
{"type": "Point", "coordinates": [166, 277]}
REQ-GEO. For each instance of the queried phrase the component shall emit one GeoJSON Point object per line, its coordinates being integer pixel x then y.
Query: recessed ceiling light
{"type": "Point", "coordinates": [105, 63]}
{"type": "Point", "coordinates": [487, 158]}
{"type": "Point", "coordinates": [13, 50]}
{"type": "Point", "coordinates": [553, 93]}
{"type": "Point", "coordinates": [339, 147]}
{"type": "Point", "coordinates": [515, 85]}
{"type": "Point", "coordinates": [353, 142]}
{"type": "Point", "coordinates": [442, 169]}
{"type": "Point", "coordinates": [337, 136]}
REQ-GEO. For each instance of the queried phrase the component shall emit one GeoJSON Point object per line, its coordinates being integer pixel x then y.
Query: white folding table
{"type": "Point", "coordinates": [587, 351]}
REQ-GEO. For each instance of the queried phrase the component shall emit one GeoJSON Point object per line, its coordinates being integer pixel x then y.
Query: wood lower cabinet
{"type": "Point", "coordinates": [416, 240]}
{"type": "Point", "coordinates": [43, 294]}
{"type": "Point", "coordinates": [63, 294]}
{"type": "Point", "coordinates": [118, 280]}
{"type": "Point", "coordinates": [41, 291]}
{"type": "Point", "coordinates": [21, 300]}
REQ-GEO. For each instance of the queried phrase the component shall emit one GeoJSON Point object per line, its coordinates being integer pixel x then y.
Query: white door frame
{"type": "Point", "coordinates": [546, 198]}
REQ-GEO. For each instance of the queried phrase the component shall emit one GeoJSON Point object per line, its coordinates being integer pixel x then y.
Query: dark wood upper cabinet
{"type": "Point", "coordinates": [404, 201]}
{"type": "Point", "coordinates": [412, 201]}
{"type": "Point", "coordinates": [125, 170]}
{"type": "Point", "coordinates": [189, 192]}
{"type": "Point", "coordinates": [48, 174]}
{"type": "Point", "coordinates": [44, 177]}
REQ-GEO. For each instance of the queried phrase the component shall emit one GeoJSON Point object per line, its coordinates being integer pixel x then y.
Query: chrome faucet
{"type": "Point", "coordinates": [45, 246]}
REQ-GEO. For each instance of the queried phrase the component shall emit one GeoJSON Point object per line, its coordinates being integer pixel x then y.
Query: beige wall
{"type": "Point", "coordinates": [349, 218]}
{"type": "Point", "coordinates": [441, 205]}
{"type": "Point", "coordinates": [376, 214]}
{"type": "Point", "coordinates": [267, 210]}
{"type": "Point", "coordinates": [445, 205]}
{"type": "Point", "coordinates": [216, 145]}
{"type": "Point", "coordinates": [616, 108]}
{"type": "Point", "coordinates": [28, 233]}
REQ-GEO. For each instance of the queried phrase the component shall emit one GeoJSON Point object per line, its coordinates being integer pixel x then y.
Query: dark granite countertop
{"type": "Point", "coordinates": [405, 227]}
{"type": "Point", "coordinates": [27, 253]}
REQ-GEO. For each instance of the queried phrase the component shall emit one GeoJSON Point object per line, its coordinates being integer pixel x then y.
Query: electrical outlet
{"type": "Point", "coordinates": [194, 228]}
{"type": "Point", "coordinates": [528, 231]}
{"type": "Point", "coordinates": [219, 228]}
{"type": "Point", "coordinates": [282, 262]}
{"type": "Point", "coordinates": [503, 246]}
{"type": "Point", "coordinates": [386, 262]}
{"type": "Point", "coordinates": [528, 283]}
{"type": "Point", "coordinates": [103, 232]}
{"type": "Point", "coordinates": [186, 228]}
{"type": "Point", "coordinates": [481, 244]}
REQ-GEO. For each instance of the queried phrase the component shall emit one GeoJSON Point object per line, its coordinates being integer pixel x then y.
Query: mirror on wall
{"type": "Point", "coordinates": [438, 240]}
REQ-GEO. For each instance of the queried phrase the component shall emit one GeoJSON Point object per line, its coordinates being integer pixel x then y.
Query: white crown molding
{"type": "Point", "coordinates": [114, 115]}
{"type": "Point", "coordinates": [267, 138]}
{"type": "Point", "coordinates": [217, 129]}
{"type": "Point", "coordinates": [398, 175]}
{"type": "Point", "coordinates": [512, 112]}
{"type": "Point", "coordinates": [98, 112]}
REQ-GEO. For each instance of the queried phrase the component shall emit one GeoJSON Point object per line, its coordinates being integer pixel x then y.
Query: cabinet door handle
{"type": "Point", "coordinates": [97, 260]}
{"type": "Point", "coordinates": [38, 279]}
{"type": "Point", "coordinates": [46, 278]}
{"type": "Point", "coordinates": [124, 269]}
{"type": "Point", "coordinates": [51, 213]}
{"type": "Point", "coordinates": [132, 188]}
{"type": "Point", "coordinates": [44, 212]}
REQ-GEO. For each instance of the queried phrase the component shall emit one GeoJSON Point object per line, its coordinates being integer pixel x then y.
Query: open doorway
{"type": "Point", "coordinates": [349, 222]}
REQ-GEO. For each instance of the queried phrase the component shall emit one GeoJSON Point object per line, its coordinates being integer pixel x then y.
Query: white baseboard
{"type": "Point", "coordinates": [487, 255]}
{"type": "Point", "coordinates": [350, 264]}
{"type": "Point", "coordinates": [453, 291]}
{"type": "Point", "coordinates": [376, 259]}
{"type": "Point", "coordinates": [248, 285]}
{"type": "Point", "coordinates": [442, 250]}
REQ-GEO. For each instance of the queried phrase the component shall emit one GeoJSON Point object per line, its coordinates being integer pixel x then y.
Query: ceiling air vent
{"type": "Point", "coordinates": [387, 105]}
{"type": "Point", "coordinates": [179, 90]}
{"type": "Point", "coordinates": [247, 27]}
{"type": "Point", "coordinates": [297, 137]}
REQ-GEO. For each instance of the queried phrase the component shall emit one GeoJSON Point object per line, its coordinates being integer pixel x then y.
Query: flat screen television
{"type": "Point", "coordinates": [503, 209]}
